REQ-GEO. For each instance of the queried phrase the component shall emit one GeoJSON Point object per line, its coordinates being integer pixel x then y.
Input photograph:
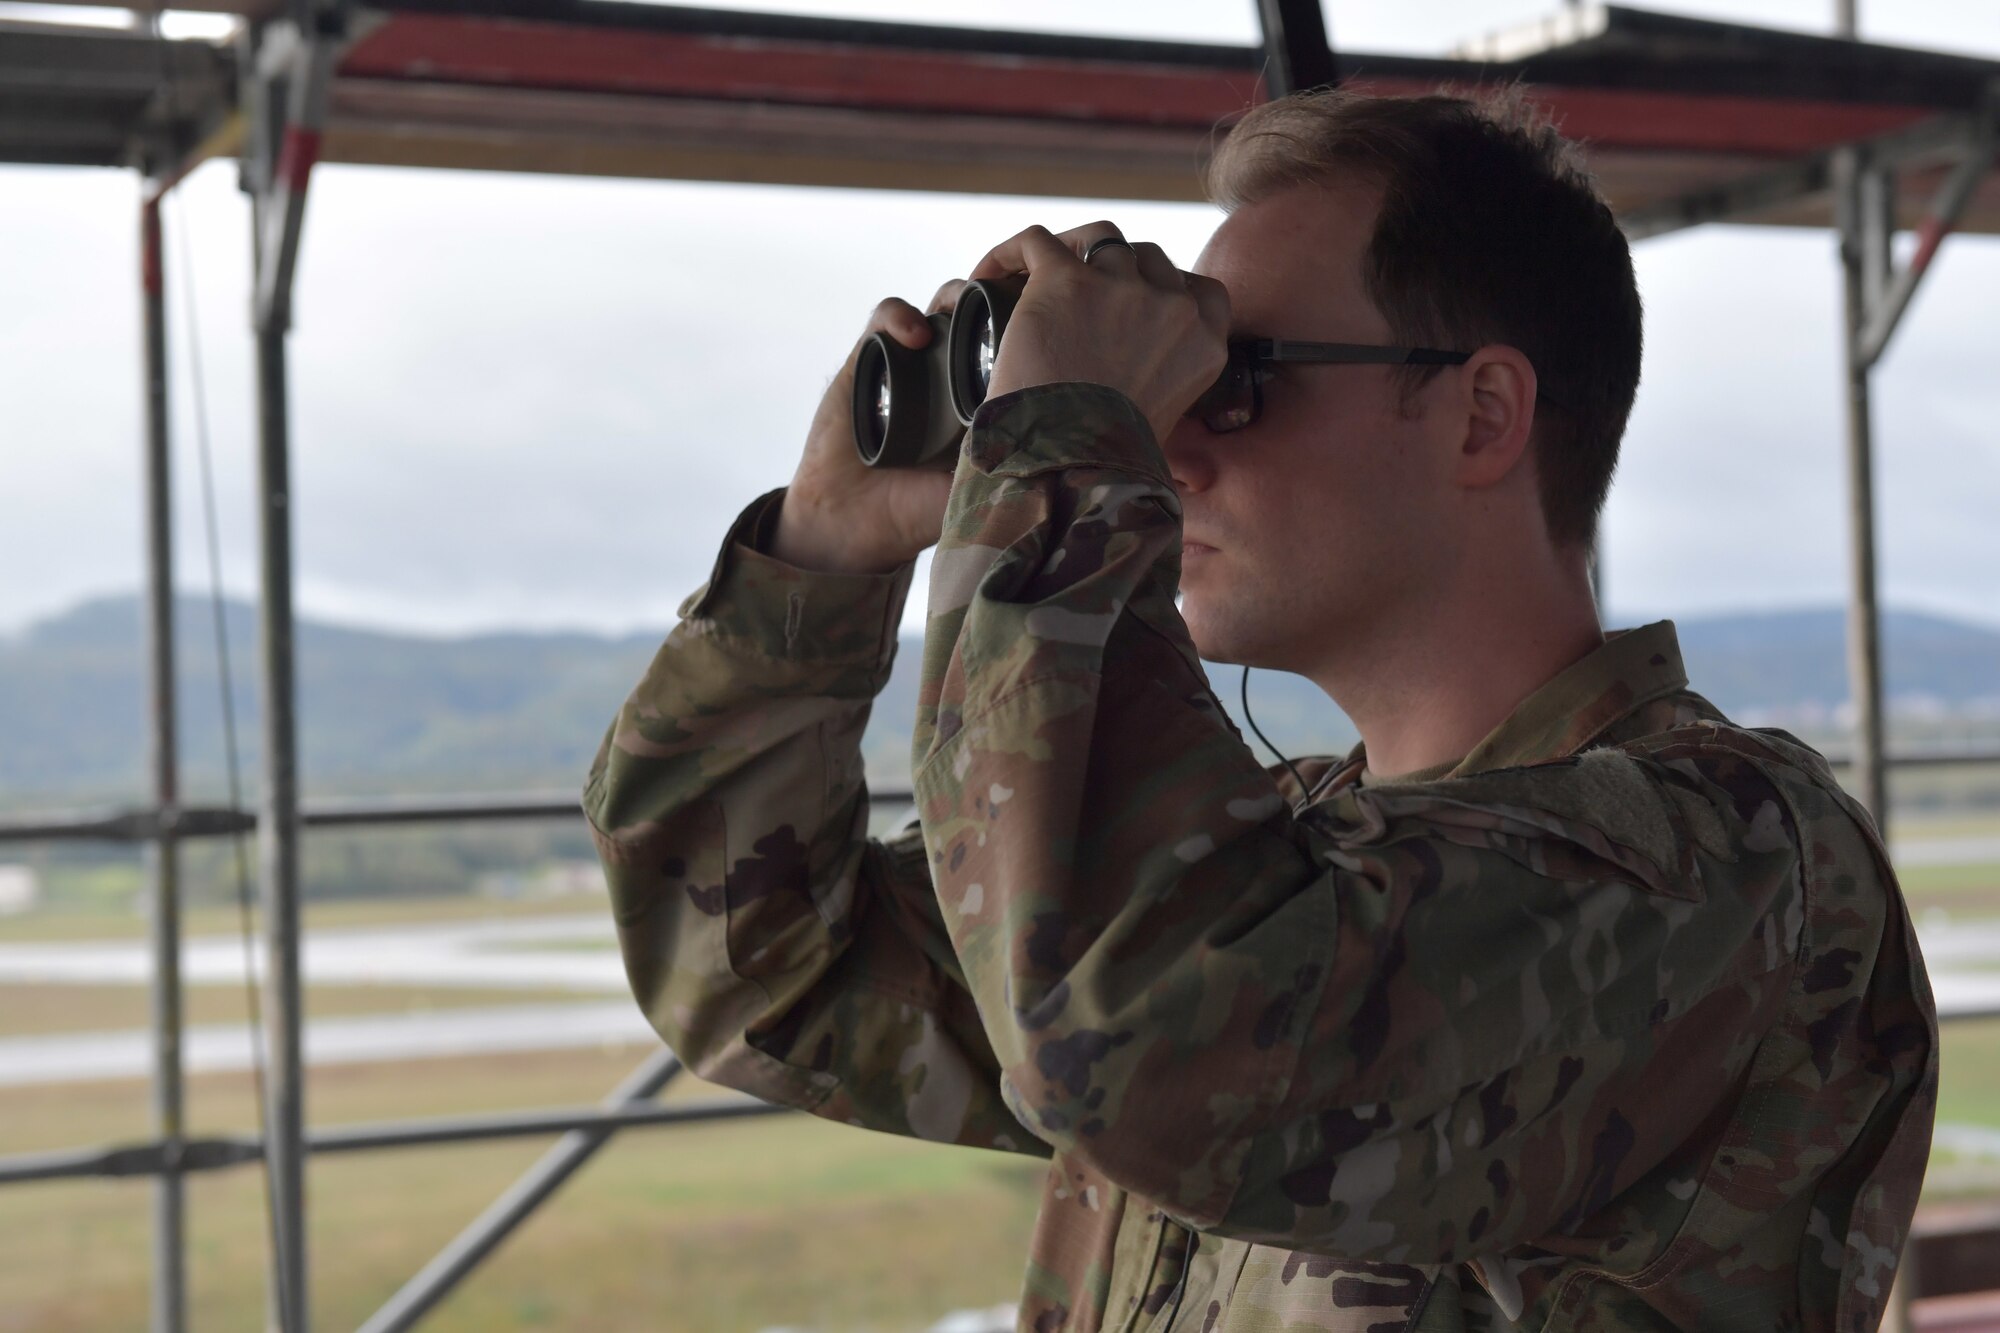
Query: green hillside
{"type": "Point", "coordinates": [383, 712]}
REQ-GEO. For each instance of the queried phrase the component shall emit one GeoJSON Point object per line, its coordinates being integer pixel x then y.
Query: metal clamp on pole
{"type": "Point", "coordinates": [289, 73]}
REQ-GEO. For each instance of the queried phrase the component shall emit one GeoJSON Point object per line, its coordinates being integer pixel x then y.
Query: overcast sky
{"type": "Point", "coordinates": [538, 401]}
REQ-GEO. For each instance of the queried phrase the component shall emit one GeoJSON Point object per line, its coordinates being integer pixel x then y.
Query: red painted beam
{"type": "Point", "coordinates": [1617, 118]}
{"type": "Point", "coordinates": [504, 52]}
{"type": "Point", "coordinates": [500, 52]}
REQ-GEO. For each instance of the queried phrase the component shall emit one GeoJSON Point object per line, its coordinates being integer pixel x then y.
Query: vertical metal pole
{"type": "Point", "coordinates": [278, 830]}
{"type": "Point", "coordinates": [286, 112]}
{"type": "Point", "coordinates": [1297, 54]}
{"type": "Point", "coordinates": [1877, 202]}
{"type": "Point", "coordinates": [163, 854]}
{"type": "Point", "coordinates": [1864, 634]}
{"type": "Point", "coordinates": [1863, 243]}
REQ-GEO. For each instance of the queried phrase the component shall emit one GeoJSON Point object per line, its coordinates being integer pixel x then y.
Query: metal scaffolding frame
{"type": "Point", "coordinates": [1875, 295]}
{"type": "Point", "coordinates": [285, 64]}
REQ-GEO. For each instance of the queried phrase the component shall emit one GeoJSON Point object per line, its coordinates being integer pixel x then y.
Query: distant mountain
{"type": "Point", "coordinates": [1793, 664]}
{"type": "Point", "coordinates": [377, 711]}
{"type": "Point", "coordinates": [386, 712]}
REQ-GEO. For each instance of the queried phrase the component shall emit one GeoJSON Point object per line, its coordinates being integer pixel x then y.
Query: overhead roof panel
{"type": "Point", "coordinates": [91, 96]}
{"type": "Point", "coordinates": [1665, 105]}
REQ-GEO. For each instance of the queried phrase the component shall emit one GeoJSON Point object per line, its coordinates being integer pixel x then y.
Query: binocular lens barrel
{"type": "Point", "coordinates": [911, 407]}
{"type": "Point", "coordinates": [902, 412]}
{"type": "Point", "coordinates": [977, 326]}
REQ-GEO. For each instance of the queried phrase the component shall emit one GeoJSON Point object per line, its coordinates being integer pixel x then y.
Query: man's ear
{"type": "Point", "coordinates": [1498, 398]}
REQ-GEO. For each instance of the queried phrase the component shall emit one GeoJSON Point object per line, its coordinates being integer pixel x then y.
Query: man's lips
{"type": "Point", "coordinates": [1190, 546]}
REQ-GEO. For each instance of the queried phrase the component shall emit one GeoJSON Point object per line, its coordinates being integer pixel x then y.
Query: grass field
{"type": "Point", "coordinates": [702, 1229]}
{"type": "Point", "coordinates": [774, 1223]}
{"type": "Point", "coordinates": [33, 1010]}
{"type": "Point", "coordinates": [122, 925]}
{"type": "Point", "coordinates": [1957, 891]}
{"type": "Point", "coordinates": [1957, 825]}
{"type": "Point", "coordinates": [785, 1222]}
{"type": "Point", "coordinates": [1969, 1077]}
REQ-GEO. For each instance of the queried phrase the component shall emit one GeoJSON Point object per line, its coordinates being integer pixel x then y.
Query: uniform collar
{"type": "Point", "coordinates": [1629, 669]}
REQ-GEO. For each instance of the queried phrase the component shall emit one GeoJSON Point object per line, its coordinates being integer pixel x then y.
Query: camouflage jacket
{"type": "Point", "coordinates": [1618, 1025]}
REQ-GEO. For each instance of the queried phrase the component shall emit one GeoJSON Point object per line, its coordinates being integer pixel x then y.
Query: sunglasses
{"type": "Point", "coordinates": [1237, 396]}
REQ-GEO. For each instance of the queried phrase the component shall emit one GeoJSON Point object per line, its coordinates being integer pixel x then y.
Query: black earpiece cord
{"type": "Point", "coordinates": [1304, 791]}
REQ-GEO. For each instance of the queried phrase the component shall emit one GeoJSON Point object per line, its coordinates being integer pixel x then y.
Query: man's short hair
{"type": "Point", "coordinates": [1491, 231]}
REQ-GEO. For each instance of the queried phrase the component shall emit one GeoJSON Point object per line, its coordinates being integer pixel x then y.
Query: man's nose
{"type": "Point", "coordinates": [1189, 449]}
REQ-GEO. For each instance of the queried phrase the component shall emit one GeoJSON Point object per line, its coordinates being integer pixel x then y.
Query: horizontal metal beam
{"type": "Point", "coordinates": [399, 122]}
{"type": "Point", "coordinates": [139, 1159]}
{"type": "Point", "coordinates": [740, 29]}
{"type": "Point", "coordinates": [350, 813]}
{"type": "Point", "coordinates": [521, 1124]}
{"type": "Point", "coordinates": [106, 62]}
{"type": "Point", "coordinates": [135, 824]}
{"type": "Point", "coordinates": [241, 8]}
{"type": "Point", "coordinates": [220, 1153]}
{"type": "Point", "coordinates": [1741, 198]}
{"type": "Point", "coordinates": [1939, 758]}
{"type": "Point", "coordinates": [64, 131]}
{"type": "Point", "coordinates": [144, 823]}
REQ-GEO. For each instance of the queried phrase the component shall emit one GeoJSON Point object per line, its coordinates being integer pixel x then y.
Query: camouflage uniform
{"type": "Point", "coordinates": [1618, 1025]}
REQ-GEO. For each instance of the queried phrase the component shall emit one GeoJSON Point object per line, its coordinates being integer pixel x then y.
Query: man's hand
{"type": "Point", "coordinates": [841, 516]}
{"type": "Point", "coordinates": [1128, 319]}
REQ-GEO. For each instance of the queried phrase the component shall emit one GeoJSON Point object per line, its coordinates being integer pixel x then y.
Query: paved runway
{"type": "Point", "coordinates": [516, 954]}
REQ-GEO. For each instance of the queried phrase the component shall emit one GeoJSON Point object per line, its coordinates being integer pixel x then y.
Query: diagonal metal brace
{"type": "Point", "coordinates": [1893, 289]}
{"type": "Point", "coordinates": [1804, 178]}
{"type": "Point", "coordinates": [439, 1277]}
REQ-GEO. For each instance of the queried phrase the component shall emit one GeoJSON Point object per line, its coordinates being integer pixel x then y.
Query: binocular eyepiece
{"type": "Point", "coordinates": [911, 406]}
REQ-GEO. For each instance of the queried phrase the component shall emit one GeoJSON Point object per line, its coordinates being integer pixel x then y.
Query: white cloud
{"type": "Point", "coordinates": [539, 400]}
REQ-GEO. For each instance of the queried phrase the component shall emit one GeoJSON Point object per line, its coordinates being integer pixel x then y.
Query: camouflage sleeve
{"type": "Point", "coordinates": [774, 945]}
{"type": "Point", "coordinates": [1416, 1023]}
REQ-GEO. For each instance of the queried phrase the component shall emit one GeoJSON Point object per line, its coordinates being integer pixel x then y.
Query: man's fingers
{"type": "Point", "coordinates": [947, 296]}
{"type": "Point", "coordinates": [1155, 267]}
{"type": "Point", "coordinates": [895, 317]}
{"type": "Point", "coordinates": [901, 321]}
{"type": "Point", "coordinates": [1093, 244]}
{"type": "Point", "coordinates": [1031, 250]}
{"type": "Point", "coordinates": [1211, 298]}
{"type": "Point", "coordinates": [1080, 239]}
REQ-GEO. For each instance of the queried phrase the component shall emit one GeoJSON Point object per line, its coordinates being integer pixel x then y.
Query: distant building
{"type": "Point", "coordinates": [20, 890]}
{"type": "Point", "coordinates": [572, 879]}
{"type": "Point", "coordinates": [557, 879]}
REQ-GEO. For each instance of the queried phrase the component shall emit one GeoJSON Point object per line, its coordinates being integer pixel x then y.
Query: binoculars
{"type": "Point", "coordinates": [911, 406]}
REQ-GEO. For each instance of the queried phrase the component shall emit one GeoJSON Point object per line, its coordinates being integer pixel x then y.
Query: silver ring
{"type": "Point", "coordinates": [1103, 241]}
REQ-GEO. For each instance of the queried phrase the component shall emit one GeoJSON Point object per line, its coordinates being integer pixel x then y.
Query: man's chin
{"type": "Point", "coordinates": [1214, 642]}
{"type": "Point", "coordinates": [1226, 640]}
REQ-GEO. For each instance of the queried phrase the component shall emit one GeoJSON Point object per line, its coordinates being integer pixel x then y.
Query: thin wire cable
{"type": "Point", "coordinates": [1304, 791]}
{"type": "Point", "coordinates": [217, 609]}
{"type": "Point", "coordinates": [211, 524]}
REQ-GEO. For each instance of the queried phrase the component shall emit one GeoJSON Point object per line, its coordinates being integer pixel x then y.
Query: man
{"type": "Point", "coordinates": [1561, 1003]}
